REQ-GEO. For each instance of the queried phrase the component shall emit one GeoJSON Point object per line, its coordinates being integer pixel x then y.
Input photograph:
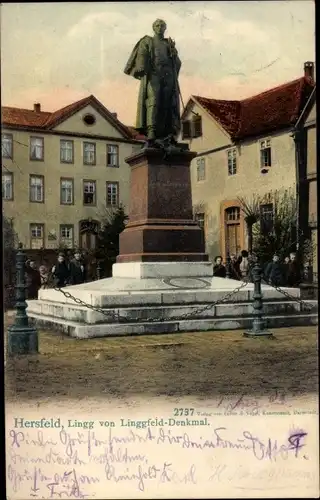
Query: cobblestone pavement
{"type": "Point", "coordinates": [200, 366]}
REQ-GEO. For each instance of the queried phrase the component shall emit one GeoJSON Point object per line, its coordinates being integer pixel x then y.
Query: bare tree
{"type": "Point", "coordinates": [251, 212]}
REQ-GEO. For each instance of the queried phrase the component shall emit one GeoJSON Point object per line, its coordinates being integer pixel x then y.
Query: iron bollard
{"type": "Point", "coordinates": [258, 329]}
{"type": "Point", "coordinates": [22, 338]}
{"type": "Point", "coordinates": [228, 266]}
{"type": "Point", "coordinates": [98, 271]}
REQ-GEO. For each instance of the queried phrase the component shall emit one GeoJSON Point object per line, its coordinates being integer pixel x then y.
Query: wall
{"type": "Point", "coordinates": [312, 151]}
{"type": "Point", "coordinates": [51, 212]}
{"type": "Point", "coordinates": [313, 182]}
{"type": "Point", "coordinates": [219, 188]}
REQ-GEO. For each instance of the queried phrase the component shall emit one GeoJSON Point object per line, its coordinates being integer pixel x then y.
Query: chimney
{"type": "Point", "coordinates": [37, 107]}
{"type": "Point", "coordinates": [115, 115]}
{"type": "Point", "coordinates": [309, 70]}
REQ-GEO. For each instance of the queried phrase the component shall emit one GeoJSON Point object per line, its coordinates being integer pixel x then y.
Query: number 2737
{"type": "Point", "coordinates": [183, 411]}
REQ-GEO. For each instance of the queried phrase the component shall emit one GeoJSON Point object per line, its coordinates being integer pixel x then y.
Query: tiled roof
{"type": "Point", "coordinates": [271, 110]}
{"type": "Point", "coordinates": [42, 120]}
{"type": "Point", "coordinates": [23, 117]}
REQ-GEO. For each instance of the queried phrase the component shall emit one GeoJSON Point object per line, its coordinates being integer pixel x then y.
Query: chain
{"type": "Point", "coordinates": [68, 295]}
{"type": "Point", "coordinates": [306, 305]}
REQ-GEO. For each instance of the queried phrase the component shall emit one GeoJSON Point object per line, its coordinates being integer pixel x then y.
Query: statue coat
{"type": "Point", "coordinates": [142, 57]}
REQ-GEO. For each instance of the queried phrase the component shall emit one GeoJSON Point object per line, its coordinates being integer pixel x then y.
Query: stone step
{"type": "Point", "coordinates": [81, 314]}
{"type": "Point", "coordinates": [154, 297]}
{"type": "Point", "coordinates": [84, 331]}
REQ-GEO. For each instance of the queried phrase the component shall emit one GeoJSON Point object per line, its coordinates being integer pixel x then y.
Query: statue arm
{"type": "Point", "coordinates": [178, 63]}
{"type": "Point", "coordinates": [137, 65]}
{"type": "Point", "coordinates": [141, 65]}
{"type": "Point", "coordinates": [175, 55]}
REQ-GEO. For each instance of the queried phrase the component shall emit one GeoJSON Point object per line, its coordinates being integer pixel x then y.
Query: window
{"type": "Point", "coordinates": [196, 126]}
{"type": "Point", "coordinates": [186, 129]}
{"type": "Point", "coordinates": [266, 218]}
{"type": "Point", "coordinates": [192, 128]}
{"type": "Point", "coordinates": [89, 192]}
{"type": "Point", "coordinates": [66, 191]}
{"type": "Point", "coordinates": [265, 154]}
{"type": "Point", "coordinates": [200, 218]}
{"type": "Point", "coordinates": [7, 186]}
{"type": "Point", "coordinates": [37, 188]}
{"type": "Point", "coordinates": [112, 193]}
{"type": "Point", "coordinates": [89, 153]}
{"type": "Point", "coordinates": [7, 146]}
{"type": "Point", "coordinates": [232, 161]}
{"type": "Point", "coordinates": [66, 151]}
{"type": "Point", "coordinates": [66, 236]}
{"type": "Point", "coordinates": [112, 156]}
{"type": "Point", "coordinates": [89, 119]}
{"type": "Point", "coordinates": [201, 169]}
{"type": "Point", "coordinates": [36, 148]}
{"type": "Point", "coordinates": [232, 231]}
{"type": "Point", "coordinates": [36, 236]}
{"type": "Point", "coordinates": [232, 214]}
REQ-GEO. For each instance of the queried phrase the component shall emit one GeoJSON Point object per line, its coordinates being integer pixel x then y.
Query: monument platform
{"type": "Point", "coordinates": [162, 281]}
{"type": "Point", "coordinates": [133, 306]}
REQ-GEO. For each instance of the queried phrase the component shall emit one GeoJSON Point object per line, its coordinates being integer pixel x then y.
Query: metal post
{"type": "Point", "coordinates": [258, 329]}
{"type": "Point", "coordinates": [228, 266]}
{"type": "Point", "coordinates": [22, 338]}
{"type": "Point", "coordinates": [98, 271]}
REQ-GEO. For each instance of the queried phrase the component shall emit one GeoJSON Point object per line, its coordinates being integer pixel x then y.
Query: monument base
{"type": "Point", "coordinates": [161, 225]}
{"type": "Point", "coordinates": [172, 302]}
{"type": "Point", "coordinates": [162, 269]}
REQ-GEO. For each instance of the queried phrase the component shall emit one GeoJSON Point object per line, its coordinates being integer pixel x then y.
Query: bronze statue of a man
{"type": "Point", "coordinates": [155, 62]}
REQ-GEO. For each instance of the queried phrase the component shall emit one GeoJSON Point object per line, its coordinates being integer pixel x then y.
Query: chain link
{"type": "Point", "coordinates": [68, 295]}
{"type": "Point", "coordinates": [305, 305]}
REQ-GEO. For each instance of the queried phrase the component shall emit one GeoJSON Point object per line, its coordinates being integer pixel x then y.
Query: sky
{"type": "Point", "coordinates": [58, 53]}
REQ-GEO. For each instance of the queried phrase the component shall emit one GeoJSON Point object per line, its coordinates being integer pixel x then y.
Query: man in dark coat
{"type": "Point", "coordinates": [274, 272]}
{"type": "Point", "coordinates": [60, 272]}
{"type": "Point", "coordinates": [293, 277]}
{"type": "Point", "coordinates": [234, 268]}
{"type": "Point", "coordinates": [218, 269]}
{"type": "Point", "coordinates": [77, 270]}
{"type": "Point", "coordinates": [33, 280]}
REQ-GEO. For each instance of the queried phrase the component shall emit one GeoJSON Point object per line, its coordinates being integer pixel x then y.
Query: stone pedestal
{"type": "Point", "coordinates": [161, 227]}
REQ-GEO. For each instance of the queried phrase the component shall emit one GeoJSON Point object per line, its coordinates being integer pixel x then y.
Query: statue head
{"type": "Point", "coordinates": [159, 27]}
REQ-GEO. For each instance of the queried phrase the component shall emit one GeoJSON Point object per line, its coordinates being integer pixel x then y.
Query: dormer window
{"type": "Point", "coordinates": [191, 129]}
{"type": "Point", "coordinates": [265, 154]}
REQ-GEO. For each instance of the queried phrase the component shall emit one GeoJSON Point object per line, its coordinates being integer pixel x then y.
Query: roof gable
{"type": "Point", "coordinates": [200, 103]}
{"type": "Point", "coordinates": [27, 118]}
{"type": "Point", "coordinates": [309, 112]}
{"type": "Point", "coordinates": [274, 109]}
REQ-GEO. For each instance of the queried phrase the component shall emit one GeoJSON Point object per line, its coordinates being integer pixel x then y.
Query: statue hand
{"type": "Point", "coordinates": [139, 72]}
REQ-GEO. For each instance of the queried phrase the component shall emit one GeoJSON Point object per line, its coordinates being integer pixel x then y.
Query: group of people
{"type": "Point", "coordinates": [275, 272]}
{"type": "Point", "coordinates": [63, 273]}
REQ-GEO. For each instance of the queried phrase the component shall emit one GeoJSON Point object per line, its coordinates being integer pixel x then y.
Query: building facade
{"type": "Point", "coordinates": [306, 143]}
{"type": "Point", "coordinates": [63, 171]}
{"type": "Point", "coordinates": [245, 149]}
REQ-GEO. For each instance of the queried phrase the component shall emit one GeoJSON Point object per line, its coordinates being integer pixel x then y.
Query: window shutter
{"type": "Point", "coordinates": [197, 126]}
{"type": "Point", "coordinates": [186, 129]}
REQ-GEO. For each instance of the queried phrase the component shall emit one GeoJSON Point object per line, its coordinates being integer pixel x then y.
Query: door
{"type": "Point", "coordinates": [88, 234]}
